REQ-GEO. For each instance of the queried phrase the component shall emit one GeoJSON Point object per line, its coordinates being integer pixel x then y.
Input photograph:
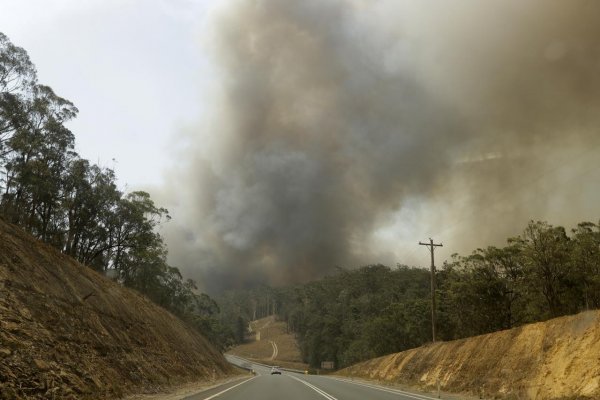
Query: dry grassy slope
{"type": "Point", "coordinates": [261, 350]}
{"type": "Point", "coordinates": [66, 332]}
{"type": "Point", "coordinates": [556, 359]}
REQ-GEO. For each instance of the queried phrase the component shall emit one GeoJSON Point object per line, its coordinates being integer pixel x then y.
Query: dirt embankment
{"type": "Point", "coordinates": [67, 332]}
{"type": "Point", "coordinates": [270, 343]}
{"type": "Point", "coordinates": [556, 359]}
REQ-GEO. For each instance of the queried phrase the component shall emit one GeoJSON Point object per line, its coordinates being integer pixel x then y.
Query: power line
{"type": "Point", "coordinates": [432, 247]}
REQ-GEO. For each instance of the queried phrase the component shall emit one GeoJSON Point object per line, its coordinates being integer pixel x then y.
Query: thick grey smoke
{"type": "Point", "coordinates": [344, 131]}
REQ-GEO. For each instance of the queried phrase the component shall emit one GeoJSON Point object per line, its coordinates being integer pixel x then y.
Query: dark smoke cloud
{"type": "Point", "coordinates": [339, 127]}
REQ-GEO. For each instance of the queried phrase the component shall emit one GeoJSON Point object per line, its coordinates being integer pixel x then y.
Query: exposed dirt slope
{"type": "Point", "coordinates": [67, 332]}
{"type": "Point", "coordinates": [267, 334]}
{"type": "Point", "coordinates": [556, 359]}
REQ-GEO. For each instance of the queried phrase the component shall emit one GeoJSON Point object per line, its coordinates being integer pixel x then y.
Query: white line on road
{"type": "Point", "coordinates": [275, 350]}
{"type": "Point", "coordinates": [389, 390]}
{"type": "Point", "coordinates": [316, 389]}
{"type": "Point", "coordinates": [228, 389]}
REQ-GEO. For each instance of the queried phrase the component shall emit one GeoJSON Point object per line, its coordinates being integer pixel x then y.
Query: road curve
{"type": "Point", "coordinates": [295, 386]}
{"type": "Point", "coordinates": [275, 350]}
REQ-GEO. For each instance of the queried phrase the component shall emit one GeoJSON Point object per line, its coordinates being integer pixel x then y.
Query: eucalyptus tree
{"type": "Point", "coordinates": [37, 157]}
{"type": "Point", "coordinates": [586, 262]}
{"type": "Point", "coordinates": [546, 256]}
{"type": "Point", "coordinates": [482, 292]}
{"type": "Point", "coordinates": [91, 199]}
{"type": "Point", "coordinates": [17, 79]}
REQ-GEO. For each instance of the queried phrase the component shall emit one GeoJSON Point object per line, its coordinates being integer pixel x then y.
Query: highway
{"type": "Point", "coordinates": [296, 386]}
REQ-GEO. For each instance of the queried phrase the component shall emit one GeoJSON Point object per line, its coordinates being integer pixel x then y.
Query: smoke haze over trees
{"type": "Point", "coordinates": [353, 315]}
{"type": "Point", "coordinates": [343, 132]}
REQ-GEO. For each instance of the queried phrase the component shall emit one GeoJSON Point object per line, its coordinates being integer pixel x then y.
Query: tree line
{"type": "Point", "coordinates": [359, 314]}
{"type": "Point", "coordinates": [76, 206]}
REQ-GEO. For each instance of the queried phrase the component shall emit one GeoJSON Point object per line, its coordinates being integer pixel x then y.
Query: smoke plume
{"type": "Point", "coordinates": [342, 132]}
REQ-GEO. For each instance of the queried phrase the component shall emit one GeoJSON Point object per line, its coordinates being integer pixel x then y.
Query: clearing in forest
{"type": "Point", "coordinates": [269, 342]}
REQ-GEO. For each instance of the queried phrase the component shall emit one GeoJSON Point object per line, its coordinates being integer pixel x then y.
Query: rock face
{"type": "Point", "coordinates": [556, 359]}
{"type": "Point", "coordinates": [67, 332]}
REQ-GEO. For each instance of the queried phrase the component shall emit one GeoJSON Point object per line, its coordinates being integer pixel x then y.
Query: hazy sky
{"type": "Point", "coordinates": [134, 68]}
{"type": "Point", "coordinates": [288, 137]}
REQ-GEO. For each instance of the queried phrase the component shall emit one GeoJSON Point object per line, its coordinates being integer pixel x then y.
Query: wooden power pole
{"type": "Point", "coordinates": [432, 247]}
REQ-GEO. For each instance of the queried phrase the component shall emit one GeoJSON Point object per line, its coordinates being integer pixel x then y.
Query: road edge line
{"type": "Point", "coordinates": [385, 389]}
{"type": "Point", "coordinates": [228, 389]}
{"type": "Point", "coordinates": [316, 389]}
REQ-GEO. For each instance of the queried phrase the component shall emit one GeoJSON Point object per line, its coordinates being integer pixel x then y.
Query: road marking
{"type": "Point", "coordinates": [316, 389]}
{"type": "Point", "coordinates": [389, 390]}
{"type": "Point", "coordinates": [228, 389]}
{"type": "Point", "coordinates": [275, 350]}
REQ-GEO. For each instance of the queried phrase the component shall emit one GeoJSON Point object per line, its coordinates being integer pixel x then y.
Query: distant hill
{"type": "Point", "coordinates": [67, 332]}
{"type": "Point", "coordinates": [556, 359]}
{"type": "Point", "coordinates": [269, 342]}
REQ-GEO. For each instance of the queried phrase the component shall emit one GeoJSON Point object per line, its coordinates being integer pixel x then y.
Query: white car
{"type": "Point", "coordinates": [275, 371]}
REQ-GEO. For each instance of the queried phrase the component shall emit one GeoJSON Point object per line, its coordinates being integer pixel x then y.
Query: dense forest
{"type": "Point", "coordinates": [76, 206]}
{"type": "Point", "coordinates": [376, 310]}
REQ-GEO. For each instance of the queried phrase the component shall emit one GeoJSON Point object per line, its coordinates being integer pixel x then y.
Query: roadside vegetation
{"type": "Point", "coordinates": [375, 310]}
{"type": "Point", "coordinates": [76, 206]}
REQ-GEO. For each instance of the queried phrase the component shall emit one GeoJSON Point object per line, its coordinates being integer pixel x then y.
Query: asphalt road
{"type": "Point", "coordinates": [296, 386]}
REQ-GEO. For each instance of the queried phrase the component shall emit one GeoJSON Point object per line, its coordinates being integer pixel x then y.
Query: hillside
{"type": "Point", "coordinates": [269, 342]}
{"type": "Point", "coordinates": [556, 359]}
{"type": "Point", "coordinates": [68, 332]}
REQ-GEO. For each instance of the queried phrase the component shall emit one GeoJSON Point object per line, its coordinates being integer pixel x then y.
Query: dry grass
{"type": "Point", "coordinates": [68, 332]}
{"type": "Point", "coordinates": [270, 330]}
{"type": "Point", "coordinates": [556, 359]}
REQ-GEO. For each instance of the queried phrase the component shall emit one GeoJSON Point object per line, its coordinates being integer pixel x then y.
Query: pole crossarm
{"type": "Point", "coordinates": [432, 247]}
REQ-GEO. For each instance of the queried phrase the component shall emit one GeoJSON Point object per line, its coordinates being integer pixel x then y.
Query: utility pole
{"type": "Point", "coordinates": [432, 247]}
